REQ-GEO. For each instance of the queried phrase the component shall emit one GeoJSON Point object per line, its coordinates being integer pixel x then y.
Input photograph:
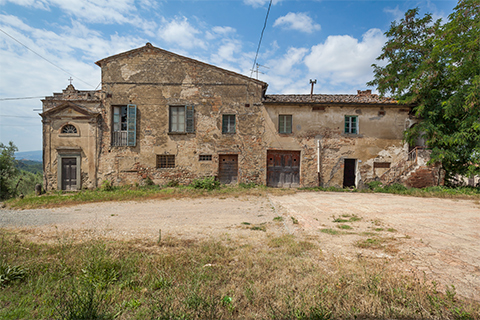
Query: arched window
{"type": "Point", "coordinates": [69, 128]}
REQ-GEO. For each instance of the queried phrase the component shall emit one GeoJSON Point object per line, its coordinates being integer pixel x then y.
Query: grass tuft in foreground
{"type": "Point", "coordinates": [281, 278]}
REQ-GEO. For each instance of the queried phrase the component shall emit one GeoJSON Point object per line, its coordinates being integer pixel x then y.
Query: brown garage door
{"type": "Point", "coordinates": [228, 168]}
{"type": "Point", "coordinates": [283, 168]}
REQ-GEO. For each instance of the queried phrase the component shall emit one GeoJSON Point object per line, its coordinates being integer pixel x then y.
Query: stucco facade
{"type": "Point", "coordinates": [170, 118]}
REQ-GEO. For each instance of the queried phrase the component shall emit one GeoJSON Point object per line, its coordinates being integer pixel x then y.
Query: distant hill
{"type": "Point", "coordinates": [29, 155]}
{"type": "Point", "coordinates": [30, 166]}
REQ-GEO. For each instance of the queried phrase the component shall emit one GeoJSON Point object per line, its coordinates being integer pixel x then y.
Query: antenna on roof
{"type": "Point", "coordinates": [312, 82]}
{"type": "Point", "coordinates": [256, 69]}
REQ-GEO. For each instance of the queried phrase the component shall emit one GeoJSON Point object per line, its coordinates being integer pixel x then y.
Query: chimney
{"type": "Point", "coordinates": [364, 92]}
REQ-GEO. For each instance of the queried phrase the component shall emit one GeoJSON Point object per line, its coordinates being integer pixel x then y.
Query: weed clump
{"type": "Point", "coordinates": [10, 274]}
{"type": "Point", "coordinates": [106, 185]}
{"type": "Point", "coordinates": [207, 183]}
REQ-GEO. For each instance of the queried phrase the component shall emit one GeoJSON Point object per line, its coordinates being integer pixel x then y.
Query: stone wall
{"type": "Point", "coordinates": [154, 80]}
{"type": "Point", "coordinates": [319, 134]}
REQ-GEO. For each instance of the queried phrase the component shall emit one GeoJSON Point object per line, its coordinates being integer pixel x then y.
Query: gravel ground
{"type": "Point", "coordinates": [436, 237]}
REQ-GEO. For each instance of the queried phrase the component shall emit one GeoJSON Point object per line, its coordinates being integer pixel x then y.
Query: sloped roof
{"type": "Point", "coordinates": [360, 98]}
{"type": "Point", "coordinates": [80, 109]}
{"type": "Point", "coordinates": [150, 47]}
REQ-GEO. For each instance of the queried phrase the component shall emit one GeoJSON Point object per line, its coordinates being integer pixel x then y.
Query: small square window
{"type": "Point", "coordinates": [205, 157]}
{"type": "Point", "coordinates": [285, 123]}
{"type": "Point", "coordinates": [351, 124]}
{"type": "Point", "coordinates": [228, 123]}
{"type": "Point", "coordinates": [165, 161]}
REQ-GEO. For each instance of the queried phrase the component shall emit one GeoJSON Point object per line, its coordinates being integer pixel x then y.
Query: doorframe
{"type": "Point", "coordinates": [355, 169]}
{"type": "Point", "coordinates": [69, 154]}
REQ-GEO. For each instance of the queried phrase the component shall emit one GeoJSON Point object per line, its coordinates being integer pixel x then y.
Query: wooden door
{"type": "Point", "coordinates": [69, 174]}
{"type": "Point", "coordinates": [283, 168]}
{"type": "Point", "coordinates": [349, 172]}
{"type": "Point", "coordinates": [228, 168]}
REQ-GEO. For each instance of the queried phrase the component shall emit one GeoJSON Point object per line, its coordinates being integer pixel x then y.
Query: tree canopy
{"type": "Point", "coordinates": [8, 169]}
{"type": "Point", "coordinates": [435, 68]}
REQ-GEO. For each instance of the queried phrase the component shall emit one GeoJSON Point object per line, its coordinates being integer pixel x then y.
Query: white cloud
{"type": "Point", "coordinates": [395, 12]}
{"type": "Point", "coordinates": [344, 59]}
{"type": "Point", "coordinates": [284, 65]}
{"type": "Point", "coordinates": [259, 3]}
{"type": "Point", "coordinates": [38, 4]}
{"type": "Point", "coordinates": [228, 51]}
{"type": "Point", "coordinates": [181, 33]}
{"type": "Point", "coordinates": [223, 30]}
{"type": "Point", "coordinates": [297, 21]}
{"type": "Point", "coordinates": [217, 32]}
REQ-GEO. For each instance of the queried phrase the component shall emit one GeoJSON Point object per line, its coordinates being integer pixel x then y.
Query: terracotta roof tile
{"type": "Point", "coordinates": [361, 98]}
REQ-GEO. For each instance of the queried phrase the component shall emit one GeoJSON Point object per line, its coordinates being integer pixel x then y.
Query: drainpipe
{"type": "Point", "coordinates": [319, 155]}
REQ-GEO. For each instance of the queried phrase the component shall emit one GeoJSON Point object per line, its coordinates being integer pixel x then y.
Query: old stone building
{"type": "Point", "coordinates": [171, 118]}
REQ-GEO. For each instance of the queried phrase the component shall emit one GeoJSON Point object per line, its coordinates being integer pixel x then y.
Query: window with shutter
{"type": "Point", "coordinates": [182, 119]}
{"type": "Point", "coordinates": [124, 125]}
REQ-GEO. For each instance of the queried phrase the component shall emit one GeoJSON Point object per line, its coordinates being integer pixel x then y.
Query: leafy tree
{"type": "Point", "coordinates": [436, 68]}
{"type": "Point", "coordinates": [8, 170]}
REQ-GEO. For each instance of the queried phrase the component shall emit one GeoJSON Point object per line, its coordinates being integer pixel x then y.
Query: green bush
{"type": "Point", "coordinates": [107, 185]}
{"type": "Point", "coordinates": [249, 185]}
{"type": "Point", "coordinates": [9, 274]}
{"type": "Point", "coordinates": [148, 181]}
{"type": "Point", "coordinates": [396, 187]}
{"type": "Point", "coordinates": [207, 183]}
{"type": "Point", "coordinates": [373, 185]}
{"type": "Point", "coordinates": [172, 183]}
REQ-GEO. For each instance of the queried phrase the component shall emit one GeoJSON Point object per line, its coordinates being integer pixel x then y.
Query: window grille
{"type": "Point", "coordinates": [165, 161]}
{"type": "Point", "coordinates": [205, 157]}
{"type": "Point", "coordinates": [69, 128]}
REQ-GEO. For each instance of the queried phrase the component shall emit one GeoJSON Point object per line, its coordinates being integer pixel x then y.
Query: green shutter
{"type": "Point", "coordinates": [354, 125]}
{"type": "Point", "coordinates": [224, 124]}
{"type": "Point", "coordinates": [288, 122]}
{"type": "Point", "coordinates": [131, 125]}
{"type": "Point", "coordinates": [347, 122]}
{"type": "Point", "coordinates": [189, 119]}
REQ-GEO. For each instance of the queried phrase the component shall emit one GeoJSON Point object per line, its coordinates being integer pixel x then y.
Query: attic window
{"type": "Point", "coordinates": [69, 129]}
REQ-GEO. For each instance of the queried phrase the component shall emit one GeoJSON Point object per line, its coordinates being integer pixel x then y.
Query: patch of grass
{"type": "Point", "coordinates": [246, 223]}
{"type": "Point", "coordinates": [259, 228]}
{"type": "Point", "coordinates": [207, 183]}
{"type": "Point", "coordinates": [330, 231]}
{"type": "Point", "coordinates": [376, 243]}
{"type": "Point", "coordinates": [378, 229]}
{"type": "Point", "coordinates": [278, 219]}
{"type": "Point", "coordinates": [351, 218]}
{"type": "Point", "coordinates": [294, 220]}
{"type": "Point", "coordinates": [129, 193]}
{"type": "Point", "coordinates": [284, 277]}
{"type": "Point", "coordinates": [344, 226]}
{"type": "Point", "coordinates": [391, 230]}
{"type": "Point", "coordinates": [10, 274]}
{"type": "Point", "coordinates": [354, 218]}
{"type": "Point", "coordinates": [472, 193]}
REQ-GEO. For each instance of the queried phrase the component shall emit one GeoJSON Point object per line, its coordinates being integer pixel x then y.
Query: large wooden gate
{"type": "Point", "coordinates": [283, 168]}
{"type": "Point", "coordinates": [69, 173]}
{"type": "Point", "coordinates": [228, 168]}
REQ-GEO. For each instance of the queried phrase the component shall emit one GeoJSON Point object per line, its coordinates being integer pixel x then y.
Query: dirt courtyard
{"type": "Point", "coordinates": [436, 237]}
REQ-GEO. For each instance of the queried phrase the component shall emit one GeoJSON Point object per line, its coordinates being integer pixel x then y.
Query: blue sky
{"type": "Point", "coordinates": [334, 42]}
